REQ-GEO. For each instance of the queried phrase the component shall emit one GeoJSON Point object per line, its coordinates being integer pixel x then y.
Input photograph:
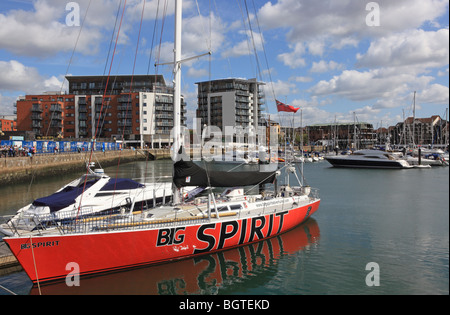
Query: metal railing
{"type": "Point", "coordinates": [66, 222]}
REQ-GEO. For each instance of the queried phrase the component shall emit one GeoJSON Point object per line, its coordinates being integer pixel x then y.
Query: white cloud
{"type": "Point", "coordinates": [323, 25]}
{"type": "Point", "coordinates": [282, 89]}
{"type": "Point", "coordinates": [294, 59]}
{"type": "Point", "coordinates": [435, 94]}
{"type": "Point", "coordinates": [368, 85]}
{"type": "Point", "coordinates": [323, 66]}
{"type": "Point", "coordinates": [246, 46]}
{"type": "Point", "coordinates": [397, 64]}
{"type": "Point", "coordinates": [43, 32]}
{"type": "Point", "coordinates": [417, 48]}
{"type": "Point", "coordinates": [20, 78]}
{"type": "Point", "coordinates": [302, 79]}
{"type": "Point", "coordinates": [6, 105]}
{"type": "Point", "coordinates": [197, 73]}
{"type": "Point", "coordinates": [338, 20]}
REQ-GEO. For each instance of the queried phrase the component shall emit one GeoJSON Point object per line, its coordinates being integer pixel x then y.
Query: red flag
{"type": "Point", "coordinates": [281, 107]}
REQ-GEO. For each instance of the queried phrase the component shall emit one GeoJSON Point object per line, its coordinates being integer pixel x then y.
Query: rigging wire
{"type": "Point", "coordinates": [130, 93]}
{"type": "Point", "coordinates": [153, 38]}
{"type": "Point", "coordinates": [101, 109]}
{"type": "Point", "coordinates": [70, 62]}
{"type": "Point", "coordinates": [244, 23]}
{"type": "Point", "coordinates": [258, 67]}
{"type": "Point", "coordinates": [264, 51]}
{"type": "Point", "coordinates": [62, 84]}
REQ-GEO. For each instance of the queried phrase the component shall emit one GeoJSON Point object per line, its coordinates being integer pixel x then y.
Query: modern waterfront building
{"type": "Point", "coordinates": [137, 109]}
{"type": "Point", "coordinates": [231, 102]}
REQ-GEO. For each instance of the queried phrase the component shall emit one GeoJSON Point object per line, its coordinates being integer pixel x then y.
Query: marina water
{"type": "Point", "coordinates": [394, 220]}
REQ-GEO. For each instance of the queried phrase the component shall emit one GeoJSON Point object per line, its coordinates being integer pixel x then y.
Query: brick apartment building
{"type": "Point", "coordinates": [7, 123]}
{"type": "Point", "coordinates": [137, 109]}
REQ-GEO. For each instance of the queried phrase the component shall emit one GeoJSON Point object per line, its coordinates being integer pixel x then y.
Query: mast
{"type": "Point", "coordinates": [414, 121]}
{"type": "Point", "coordinates": [177, 91]}
{"type": "Point", "coordinates": [354, 130]}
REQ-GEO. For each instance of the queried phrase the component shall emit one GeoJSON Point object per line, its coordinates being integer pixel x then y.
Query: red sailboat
{"type": "Point", "coordinates": [209, 223]}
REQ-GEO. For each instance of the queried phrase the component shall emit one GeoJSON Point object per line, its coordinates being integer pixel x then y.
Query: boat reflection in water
{"type": "Point", "coordinates": [207, 274]}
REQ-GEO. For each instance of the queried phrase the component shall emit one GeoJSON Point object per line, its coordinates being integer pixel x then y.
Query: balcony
{"type": "Point", "coordinates": [55, 125]}
{"type": "Point", "coordinates": [164, 124]}
{"type": "Point", "coordinates": [168, 116]}
{"type": "Point", "coordinates": [128, 123]}
{"type": "Point", "coordinates": [164, 108]}
{"type": "Point", "coordinates": [56, 108]}
{"type": "Point", "coordinates": [125, 99]}
{"type": "Point", "coordinates": [36, 117]}
{"type": "Point", "coordinates": [242, 119]}
{"type": "Point", "coordinates": [36, 108]}
{"type": "Point", "coordinates": [124, 116]}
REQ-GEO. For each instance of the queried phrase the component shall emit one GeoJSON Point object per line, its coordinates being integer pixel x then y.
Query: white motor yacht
{"type": "Point", "coordinates": [368, 159]}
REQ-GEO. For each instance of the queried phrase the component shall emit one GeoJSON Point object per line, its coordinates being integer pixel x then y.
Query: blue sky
{"type": "Point", "coordinates": [331, 58]}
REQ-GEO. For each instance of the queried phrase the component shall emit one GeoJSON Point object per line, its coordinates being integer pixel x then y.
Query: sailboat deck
{"type": "Point", "coordinates": [195, 212]}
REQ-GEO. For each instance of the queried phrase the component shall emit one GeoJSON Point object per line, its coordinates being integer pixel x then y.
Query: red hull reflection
{"type": "Point", "coordinates": [205, 274]}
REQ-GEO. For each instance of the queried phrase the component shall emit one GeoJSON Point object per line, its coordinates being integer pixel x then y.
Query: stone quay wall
{"type": "Point", "coordinates": [22, 169]}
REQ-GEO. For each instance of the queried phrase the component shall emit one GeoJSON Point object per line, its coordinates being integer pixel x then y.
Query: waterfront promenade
{"type": "Point", "coordinates": [22, 169]}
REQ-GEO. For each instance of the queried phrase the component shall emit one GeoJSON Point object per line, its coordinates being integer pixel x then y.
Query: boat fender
{"type": "Point", "coordinates": [5, 232]}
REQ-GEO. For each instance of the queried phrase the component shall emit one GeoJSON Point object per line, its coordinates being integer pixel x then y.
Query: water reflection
{"type": "Point", "coordinates": [221, 272]}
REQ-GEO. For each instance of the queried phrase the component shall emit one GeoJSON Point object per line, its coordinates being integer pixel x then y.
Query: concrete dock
{"type": "Point", "coordinates": [8, 263]}
{"type": "Point", "coordinates": [22, 169]}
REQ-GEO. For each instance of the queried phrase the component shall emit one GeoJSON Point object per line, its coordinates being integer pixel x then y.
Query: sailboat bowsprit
{"type": "Point", "coordinates": [199, 224]}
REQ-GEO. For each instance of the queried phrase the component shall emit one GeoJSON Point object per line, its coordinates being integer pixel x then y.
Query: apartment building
{"type": "Point", "coordinates": [137, 109]}
{"type": "Point", "coordinates": [352, 135]}
{"type": "Point", "coordinates": [420, 131]}
{"type": "Point", "coordinates": [7, 123]}
{"type": "Point", "coordinates": [230, 102]}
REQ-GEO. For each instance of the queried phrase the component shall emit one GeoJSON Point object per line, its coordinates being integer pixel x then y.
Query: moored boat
{"type": "Point", "coordinates": [92, 193]}
{"type": "Point", "coordinates": [187, 226]}
{"type": "Point", "coordinates": [206, 224]}
{"type": "Point", "coordinates": [367, 159]}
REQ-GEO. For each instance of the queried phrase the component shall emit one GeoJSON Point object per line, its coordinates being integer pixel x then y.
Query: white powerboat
{"type": "Point", "coordinates": [368, 159]}
{"type": "Point", "coordinates": [94, 192]}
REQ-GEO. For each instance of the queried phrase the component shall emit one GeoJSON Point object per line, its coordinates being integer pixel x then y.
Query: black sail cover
{"type": "Point", "coordinates": [187, 173]}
